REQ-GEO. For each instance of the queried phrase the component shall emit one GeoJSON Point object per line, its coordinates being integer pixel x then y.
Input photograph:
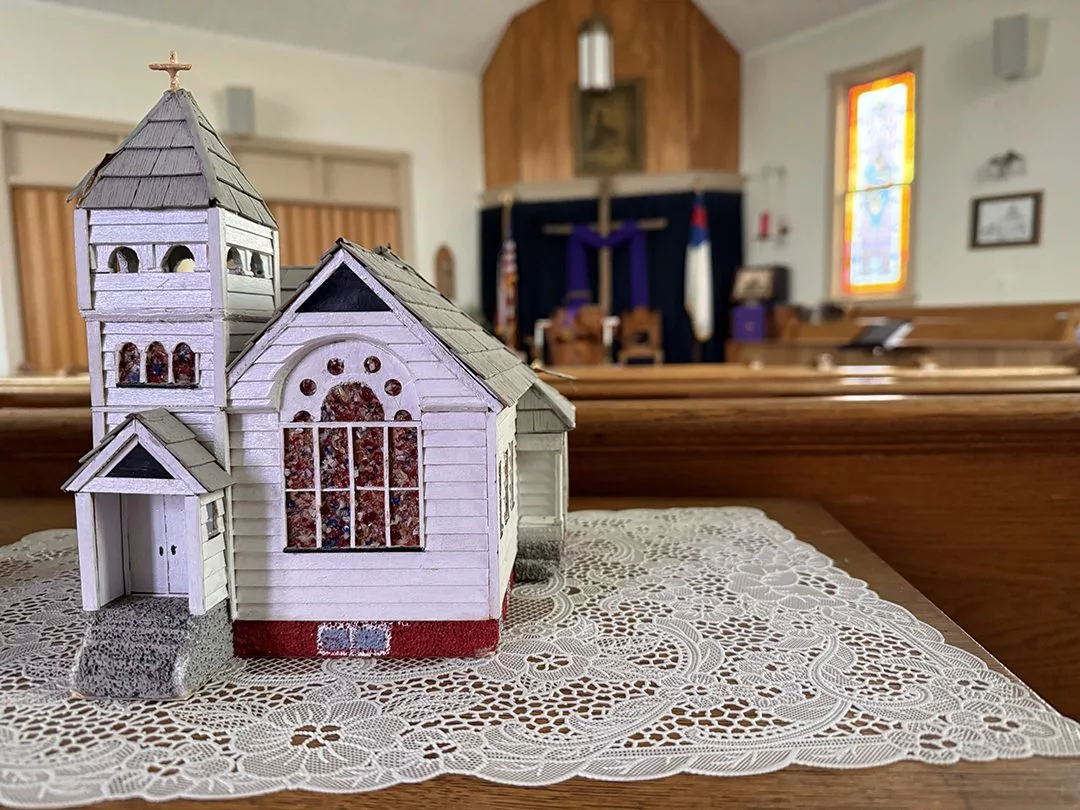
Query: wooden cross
{"type": "Point", "coordinates": [172, 67]}
{"type": "Point", "coordinates": [604, 227]}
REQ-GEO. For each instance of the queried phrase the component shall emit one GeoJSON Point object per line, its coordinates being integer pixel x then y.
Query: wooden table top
{"type": "Point", "coordinates": [1041, 783]}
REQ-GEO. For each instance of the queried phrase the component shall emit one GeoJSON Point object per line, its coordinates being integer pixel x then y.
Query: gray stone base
{"type": "Point", "coordinates": [539, 552]}
{"type": "Point", "coordinates": [151, 648]}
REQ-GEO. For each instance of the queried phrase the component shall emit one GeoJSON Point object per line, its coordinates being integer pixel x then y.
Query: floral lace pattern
{"type": "Point", "coordinates": [698, 640]}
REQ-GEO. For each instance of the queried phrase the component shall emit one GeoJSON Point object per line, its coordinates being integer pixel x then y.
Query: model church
{"type": "Point", "coordinates": [359, 471]}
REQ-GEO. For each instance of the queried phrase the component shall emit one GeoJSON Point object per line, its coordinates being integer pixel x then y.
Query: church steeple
{"type": "Point", "coordinates": [177, 262]}
{"type": "Point", "coordinates": [172, 159]}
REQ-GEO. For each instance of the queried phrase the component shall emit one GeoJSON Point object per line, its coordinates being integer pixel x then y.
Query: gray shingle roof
{"type": "Point", "coordinates": [177, 439]}
{"type": "Point", "coordinates": [483, 353]}
{"type": "Point", "coordinates": [172, 159]}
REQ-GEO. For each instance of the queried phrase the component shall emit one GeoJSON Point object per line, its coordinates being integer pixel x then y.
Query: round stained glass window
{"type": "Point", "coordinates": [372, 364]}
{"type": "Point", "coordinates": [301, 416]}
{"type": "Point", "coordinates": [402, 416]}
{"type": "Point", "coordinates": [335, 366]}
{"type": "Point", "coordinates": [307, 387]}
{"type": "Point", "coordinates": [392, 387]}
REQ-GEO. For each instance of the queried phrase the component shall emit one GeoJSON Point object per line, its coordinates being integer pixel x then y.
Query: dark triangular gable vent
{"type": "Point", "coordinates": [343, 292]}
{"type": "Point", "coordinates": [138, 464]}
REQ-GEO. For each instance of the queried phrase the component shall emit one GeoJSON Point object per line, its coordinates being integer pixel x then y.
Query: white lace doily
{"type": "Point", "coordinates": [701, 640]}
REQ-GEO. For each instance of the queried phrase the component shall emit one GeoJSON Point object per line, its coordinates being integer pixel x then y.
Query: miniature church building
{"type": "Point", "coordinates": [352, 473]}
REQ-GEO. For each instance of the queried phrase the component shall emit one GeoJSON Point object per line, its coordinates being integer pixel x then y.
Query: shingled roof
{"type": "Point", "coordinates": [483, 353]}
{"type": "Point", "coordinates": [172, 159]}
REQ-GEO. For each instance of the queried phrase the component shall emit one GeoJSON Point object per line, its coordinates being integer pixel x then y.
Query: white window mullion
{"type": "Point", "coordinates": [318, 486]}
{"type": "Point", "coordinates": [352, 491]}
{"type": "Point", "coordinates": [386, 483]}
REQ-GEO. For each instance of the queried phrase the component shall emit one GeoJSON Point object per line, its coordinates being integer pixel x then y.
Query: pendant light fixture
{"type": "Point", "coordinates": [596, 69]}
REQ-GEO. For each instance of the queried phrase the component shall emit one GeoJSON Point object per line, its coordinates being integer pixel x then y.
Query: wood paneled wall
{"type": "Point", "coordinates": [45, 249]}
{"type": "Point", "coordinates": [308, 230]}
{"type": "Point", "coordinates": [691, 79]}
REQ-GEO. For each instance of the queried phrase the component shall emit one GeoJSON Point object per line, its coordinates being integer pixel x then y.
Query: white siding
{"type": "Point", "coordinates": [436, 386]}
{"type": "Point", "coordinates": [450, 579]}
{"type": "Point", "coordinates": [212, 551]}
{"type": "Point", "coordinates": [505, 432]}
{"type": "Point", "coordinates": [542, 462]}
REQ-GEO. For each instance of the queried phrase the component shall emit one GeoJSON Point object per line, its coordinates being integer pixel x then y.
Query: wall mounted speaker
{"type": "Point", "coordinates": [1019, 46]}
{"type": "Point", "coordinates": [240, 110]}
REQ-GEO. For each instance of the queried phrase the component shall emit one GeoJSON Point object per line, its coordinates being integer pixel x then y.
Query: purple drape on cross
{"type": "Point", "coordinates": [578, 290]}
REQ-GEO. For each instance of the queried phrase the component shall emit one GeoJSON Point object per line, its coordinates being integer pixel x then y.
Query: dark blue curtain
{"type": "Point", "coordinates": [542, 260]}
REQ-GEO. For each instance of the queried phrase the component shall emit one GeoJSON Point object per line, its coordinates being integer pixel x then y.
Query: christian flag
{"type": "Point", "coordinates": [506, 294]}
{"type": "Point", "coordinates": [699, 293]}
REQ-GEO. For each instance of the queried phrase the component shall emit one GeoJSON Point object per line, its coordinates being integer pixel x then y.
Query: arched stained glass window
{"type": "Point", "coordinates": [258, 269]}
{"type": "Point", "coordinates": [352, 402]}
{"type": "Point", "coordinates": [157, 364]}
{"type": "Point", "coordinates": [352, 479]}
{"type": "Point", "coordinates": [128, 371]}
{"type": "Point", "coordinates": [876, 175]}
{"type": "Point", "coordinates": [183, 363]}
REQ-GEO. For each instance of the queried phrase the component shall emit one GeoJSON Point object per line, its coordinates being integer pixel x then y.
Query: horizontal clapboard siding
{"type": "Point", "coordinates": [208, 427]}
{"type": "Point", "coordinates": [438, 387]}
{"type": "Point", "coordinates": [448, 580]}
{"type": "Point", "coordinates": [538, 482]}
{"type": "Point", "coordinates": [212, 547]}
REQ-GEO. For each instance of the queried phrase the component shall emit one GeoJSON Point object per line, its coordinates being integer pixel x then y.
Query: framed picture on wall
{"type": "Point", "coordinates": [608, 130]}
{"type": "Point", "coordinates": [1006, 220]}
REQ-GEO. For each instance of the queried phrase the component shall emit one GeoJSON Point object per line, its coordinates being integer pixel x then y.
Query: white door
{"type": "Point", "coordinates": [154, 543]}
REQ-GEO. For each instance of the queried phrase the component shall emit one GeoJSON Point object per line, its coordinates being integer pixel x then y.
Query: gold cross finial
{"type": "Point", "coordinates": [172, 67]}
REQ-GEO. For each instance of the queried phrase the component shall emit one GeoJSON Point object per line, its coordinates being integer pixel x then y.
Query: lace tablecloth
{"type": "Point", "coordinates": [702, 641]}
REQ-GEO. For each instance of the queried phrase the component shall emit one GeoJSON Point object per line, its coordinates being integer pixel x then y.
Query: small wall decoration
{"type": "Point", "coordinates": [1006, 220]}
{"type": "Point", "coordinates": [753, 284]}
{"type": "Point", "coordinates": [608, 131]}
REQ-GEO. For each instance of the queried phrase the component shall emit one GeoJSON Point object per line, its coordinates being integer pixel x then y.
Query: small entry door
{"type": "Point", "coordinates": [154, 544]}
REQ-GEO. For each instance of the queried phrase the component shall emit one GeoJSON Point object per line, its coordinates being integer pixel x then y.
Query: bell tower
{"type": "Point", "coordinates": [177, 266]}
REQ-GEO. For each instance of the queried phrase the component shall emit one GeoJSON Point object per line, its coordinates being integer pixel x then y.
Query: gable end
{"type": "Point", "coordinates": [343, 291]}
{"type": "Point", "coordinates": [138, 463]}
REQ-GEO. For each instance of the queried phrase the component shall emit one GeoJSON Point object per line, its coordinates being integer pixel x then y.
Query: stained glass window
{"type": "Point", "coordinates": [876, 205]}
{"type": "Point", "coordinates": [157, 364]}
{"type": "Point", "coordinates": [183, 363]}
{"type": "Point", "coordinates": [128, 370]}
{"type": "Point", "coordinates": [352, 479]}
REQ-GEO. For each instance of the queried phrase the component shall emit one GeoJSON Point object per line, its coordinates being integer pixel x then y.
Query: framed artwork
{"type": "Point", "coordinates": [754, 284]}
{"type": "Point", "coordinates": [608, 130]}
{"type": "Point", "coordinates": [1006, 220]}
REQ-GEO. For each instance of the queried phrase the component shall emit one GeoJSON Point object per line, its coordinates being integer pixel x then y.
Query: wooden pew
{"type": "Point", "coordinates": [964, 481]}
{"type": "Point", "coordinates": [972, 498]}
{"type": "Point", "coordinates": [974, 336]}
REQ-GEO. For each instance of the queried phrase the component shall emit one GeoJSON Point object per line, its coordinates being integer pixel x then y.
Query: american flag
{"type": "Point", "coordinates": [506, 327]}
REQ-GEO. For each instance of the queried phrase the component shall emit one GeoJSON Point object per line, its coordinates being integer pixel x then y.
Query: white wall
{"type": "Point", "coordinates": [73, 62]}
{"type": "Point", "coordinates": [966, 116]}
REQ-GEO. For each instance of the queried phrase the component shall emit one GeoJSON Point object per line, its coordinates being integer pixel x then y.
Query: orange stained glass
{"type": "Point", "coordinates": [880, 170]}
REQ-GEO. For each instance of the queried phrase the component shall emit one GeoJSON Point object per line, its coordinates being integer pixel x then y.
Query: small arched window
{"type": "Point", "coordinates": [234, 262]}
{"type": "Point", "coordinates": [157, 364]}
{"type": "Point", "coordinates": [183, 363]}
{"type": "Point", "coordinates": [123, 260]}
{"type": "Point", "coordinates": [258, 269]}
{"type": "Point", "coordinates": [179, 259]}
{"type": "Point", "coordinates": [128, 371]}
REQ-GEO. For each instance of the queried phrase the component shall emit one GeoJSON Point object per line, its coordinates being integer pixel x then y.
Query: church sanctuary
{"type": "Point", "coordinates": [785, 488]}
